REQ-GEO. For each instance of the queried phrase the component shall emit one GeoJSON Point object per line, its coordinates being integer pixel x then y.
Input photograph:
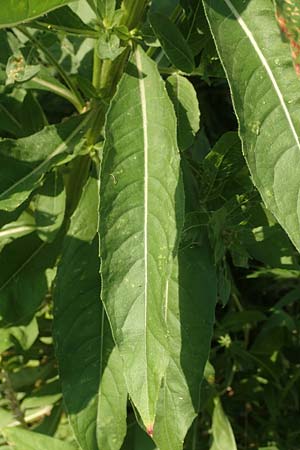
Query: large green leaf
{"type": "Point", "coordinates": [19, 439]}
{"type": "Point", "coordinates": [90, 366]}
{"type": "Point", "coordinates": [191, 303]}
{"type": "Point", "coordinates": [25, 161]}
{"type": "Point", "coordinates": [266, 96]}
{"type": "Point", "coordinates": [17, 11]}
{"type": "Point", "coordinates": [141, 213]}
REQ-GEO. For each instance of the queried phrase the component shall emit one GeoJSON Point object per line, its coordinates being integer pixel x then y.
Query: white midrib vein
{"type": "Point", "coordinates": [268, 69]}
{"type": "Point", "coordinates": [146, 176]}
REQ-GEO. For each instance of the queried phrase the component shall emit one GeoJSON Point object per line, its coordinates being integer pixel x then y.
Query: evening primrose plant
{"type": "Point", "coordinates": [122, 213]}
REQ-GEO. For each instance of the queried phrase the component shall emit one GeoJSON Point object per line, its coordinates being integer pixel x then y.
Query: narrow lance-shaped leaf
{"type": "Point", "coordinates": [17, 11]}
{"type": "Point", "coordinates": [141, 211]}
{"type": "Point", "coordinates": [25, 161]}
{"type": "Point", "coordinates": [266, 97]}
{"type": "Point", "coordinates": [89, 362]}
{"type": "Point", "coordinates": [189, 314]}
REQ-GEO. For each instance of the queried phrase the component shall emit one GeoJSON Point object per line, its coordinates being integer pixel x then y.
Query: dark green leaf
{"type": "Point", "coordinates": [172, 42]}
{"type": "Point", "coordinates": [23, 283]}
{"type": "Point", "coordinates": [64, 19]}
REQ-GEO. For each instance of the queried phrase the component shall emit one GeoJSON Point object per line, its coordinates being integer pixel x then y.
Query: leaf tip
{"type": "Point", "coordinates": [149, 430]}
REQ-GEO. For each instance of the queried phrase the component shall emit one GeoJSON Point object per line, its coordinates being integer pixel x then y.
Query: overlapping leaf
{"type": "Point", "coordinates": [189, 316]}
{"type": "Point", "coordinates": [141, 213]}
{"type": "Point", "coordinates": [90, 366]}
{"type": "Point", "coordinates": [266, 96]}
{"type": "Point", "coordinates": [184, 98]}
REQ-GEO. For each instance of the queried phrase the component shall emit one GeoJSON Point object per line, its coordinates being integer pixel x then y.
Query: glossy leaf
{"type": "Point", "coordinates": [18, 11]}
{"type": "Point", "coordinates": [21, 169]}
{"type": "Point", "coordinates": [223, 437]}
{"type": "Point", "coordinates": [49, 206]}
{"type": "Point", "coordinates": [265, 92]}
{"type": "Point", "coordinates": [20, 438]}
{"type": "Point", "coordinates": [184, 98]}
{"type": "Point", "coordinates": [90, 366]}
{"type": "Point", "coordinates": [172, 42]}
{"type": "Point", "coordinates": [138, 237]}
{"type": "Point", "coordinates": [189, 315]}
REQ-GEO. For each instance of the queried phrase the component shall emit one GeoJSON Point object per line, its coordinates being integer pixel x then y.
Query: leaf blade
{"type": "Point", "coordinates": [131, 169]}
{"type": "Point", "coordinates": [192, 296]}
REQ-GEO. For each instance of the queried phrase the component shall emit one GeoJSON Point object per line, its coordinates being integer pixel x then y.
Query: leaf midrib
{"type": "Point", "coordinates": [267, 67]}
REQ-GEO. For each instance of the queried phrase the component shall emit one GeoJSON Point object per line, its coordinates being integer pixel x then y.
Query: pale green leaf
{"type": "Point", "coordinates": [141, 212]}
{"type": "Point", "coordinates": [18, 11]}
{"type": "Point", "coordinates": [21, 439]}
{"type": "Point", "coordinates": [172, 42]}
{"type": "Point", "coordinates": [223, 437]}
{"type": "Point", "coordinates": [49, 206]}
{"type": "Point", "coordinates": [90, 366]}
{"type": "Point", "coordinates": [189, 314]}
{"type": "Point", "coordinates": [184, 98]}
{"type": "Point", "coordinates": [25, 161]}
{"type": "Point", "coordinates": [266, 94]}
